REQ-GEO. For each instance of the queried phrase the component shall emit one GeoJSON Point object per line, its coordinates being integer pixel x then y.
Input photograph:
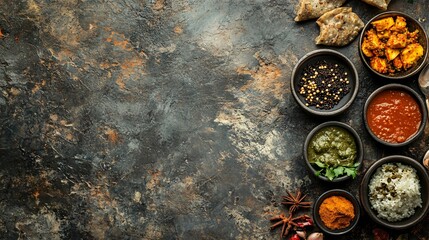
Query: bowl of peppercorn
{"type": "Point", "coordinates": [324, 82]}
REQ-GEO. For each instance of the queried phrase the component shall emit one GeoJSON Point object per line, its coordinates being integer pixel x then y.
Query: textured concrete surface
{"type": "Point", "coordinates": [162, 119]}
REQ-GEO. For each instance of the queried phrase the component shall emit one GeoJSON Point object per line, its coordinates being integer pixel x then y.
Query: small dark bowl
{"type": "Point", "coordinates": [424, 183]}
{"type": "Point", "coordinates": [359, 149]}
{"type": "Point", "coordinates": [394, 86]}
{"type": "Point", "coordinates": [330, 193]}
{"type": "Point", "coordinates": [329, 56]}
{"type": "Point", "coordinates": [412, 25]}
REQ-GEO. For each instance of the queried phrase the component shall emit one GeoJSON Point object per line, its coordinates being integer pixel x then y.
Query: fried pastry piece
{"type": "Point", "coordinates": [338, 27]}
{"type": "Point", "coordinates": [381, 4]}
{"type": "Point", "coordinates": [309, 9]}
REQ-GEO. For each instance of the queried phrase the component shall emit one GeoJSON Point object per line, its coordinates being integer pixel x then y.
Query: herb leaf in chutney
{"type": "Point", "coordinates": [333, 151]}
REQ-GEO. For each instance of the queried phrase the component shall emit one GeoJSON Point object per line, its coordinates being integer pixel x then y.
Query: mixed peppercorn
{"type": "Point", "coordinates": [324, 84]}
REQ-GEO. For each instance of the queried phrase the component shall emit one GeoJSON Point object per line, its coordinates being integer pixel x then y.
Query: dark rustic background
{"type": "Point", "coordinates": [159, 119]}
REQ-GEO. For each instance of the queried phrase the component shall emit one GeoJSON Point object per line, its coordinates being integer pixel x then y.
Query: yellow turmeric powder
{"type": "Point", "coordinates": [336, 212]}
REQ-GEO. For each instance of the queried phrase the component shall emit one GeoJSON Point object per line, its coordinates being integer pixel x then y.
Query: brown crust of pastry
{"type": "Point", "coordinates": [309, 9]}
{"type": "Point", "coordinates": [338, 27]}
{"type": "Point", "coordinates": [381, 4]}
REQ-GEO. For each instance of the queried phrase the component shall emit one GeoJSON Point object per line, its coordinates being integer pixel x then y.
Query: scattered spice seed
{"type": "Point", "coordinates": [324, 84]}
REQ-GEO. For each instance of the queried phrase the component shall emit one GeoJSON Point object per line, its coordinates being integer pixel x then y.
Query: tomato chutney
{"type": "Point", "coordinates": [394, 116]}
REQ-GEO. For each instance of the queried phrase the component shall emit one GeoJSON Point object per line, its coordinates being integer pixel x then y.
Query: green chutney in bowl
{"type": "Point", "coordinates": [333, 151]}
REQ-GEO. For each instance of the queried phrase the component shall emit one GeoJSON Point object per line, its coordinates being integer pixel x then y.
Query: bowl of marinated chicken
{"type": "Point", "coordinates": [393, 45]}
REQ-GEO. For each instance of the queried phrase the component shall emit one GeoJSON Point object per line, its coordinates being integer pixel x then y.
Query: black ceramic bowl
{"type": "Point", "coordinates": [424, 183]}
{"type": "Point", "coordinates": [342, 193]}
{"type": "Point", "coordinates": [330, 57]}
{"type": "Point", "coordinates": [419, 101]}
{"type": "Point", "coordinates": [359, 149]}
{"type": "Point", "coordinates": [412, 25]}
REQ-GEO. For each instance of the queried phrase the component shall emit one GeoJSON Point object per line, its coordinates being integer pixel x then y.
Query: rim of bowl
{"type": "Point", "coordinates": [347, 63]}
{"type": "Point", "coordinates": [336, 192]}
{"type": "Point", "coordinates": [352, 131]}
{"type": "Point", "coordinates": [416, 96]}
{"type": "Point", "coordinates": [424, 36]}
{"type": "Point", "coordinates": [421, 172]}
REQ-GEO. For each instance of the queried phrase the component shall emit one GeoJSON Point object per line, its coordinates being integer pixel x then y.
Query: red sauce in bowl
{"type": "Point", "coordinates": [394, 116]}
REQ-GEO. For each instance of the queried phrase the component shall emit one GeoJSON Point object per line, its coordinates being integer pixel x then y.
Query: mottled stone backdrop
{"type": "Point", "coordinates": [162, 119]}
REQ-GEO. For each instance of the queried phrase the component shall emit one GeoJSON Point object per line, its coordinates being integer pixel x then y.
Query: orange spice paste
{"type": "Point", "coordinates": [336, 212]}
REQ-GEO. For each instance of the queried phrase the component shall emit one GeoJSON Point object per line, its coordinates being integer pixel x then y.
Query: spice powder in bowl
{"type": "Point", "coordinates": [336, 212]}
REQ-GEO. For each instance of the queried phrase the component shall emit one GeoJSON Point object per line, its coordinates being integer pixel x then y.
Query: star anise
{"type": "Point", "coordinates": [289, 222]}
{"type": "Point", "coordinates": [296, 201]}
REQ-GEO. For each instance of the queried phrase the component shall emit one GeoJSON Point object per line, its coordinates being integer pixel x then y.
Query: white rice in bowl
{"type": "Point", "coordinates": [394, 191]}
